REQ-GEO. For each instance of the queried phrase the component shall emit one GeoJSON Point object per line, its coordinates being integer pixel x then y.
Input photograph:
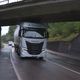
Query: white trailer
{"type": "Point", "coordinates": [30, 39]}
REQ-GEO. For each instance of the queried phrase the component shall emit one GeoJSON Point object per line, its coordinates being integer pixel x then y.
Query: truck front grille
{"type": "Point", "coordinates": [34, 48]}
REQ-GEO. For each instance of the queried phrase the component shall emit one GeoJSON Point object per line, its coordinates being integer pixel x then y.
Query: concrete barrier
{"type": "Point", "coordinates": [70, 48]}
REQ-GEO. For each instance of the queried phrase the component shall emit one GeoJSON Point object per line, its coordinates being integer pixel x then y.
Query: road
{"type": "Point", "coordinates": [6, 68]}
{"type": "Point", "coordinates": [47, 69]}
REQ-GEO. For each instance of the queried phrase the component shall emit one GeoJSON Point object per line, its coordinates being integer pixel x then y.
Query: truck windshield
{"type": "Point", "coordinates": [34, 33]}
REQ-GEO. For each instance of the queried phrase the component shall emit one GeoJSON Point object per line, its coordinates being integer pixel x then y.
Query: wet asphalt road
{"type": "Point", "coordinates": [65, 61]}
{"type": "Point", "coordinates": [6, 68]}
{"type": "Point", "coordinates": [34, 69]}
{"type": "Point", "coordinates": [47, 69]}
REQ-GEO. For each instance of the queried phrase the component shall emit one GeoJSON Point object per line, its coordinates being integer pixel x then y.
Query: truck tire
{"type": "Point", "coordinates": [40, 58]}
{"type": "Point", "coordinates": [18, 52]}
{"type": "Point", "coordinates": [17, 49]}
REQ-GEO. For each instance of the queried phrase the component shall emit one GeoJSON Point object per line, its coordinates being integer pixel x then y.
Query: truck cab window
{"type": "Point", "coordinates": [34, 33]}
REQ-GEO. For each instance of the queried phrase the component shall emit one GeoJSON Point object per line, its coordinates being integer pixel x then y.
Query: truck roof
{"type": "Point", "coordinates": [34, 25]}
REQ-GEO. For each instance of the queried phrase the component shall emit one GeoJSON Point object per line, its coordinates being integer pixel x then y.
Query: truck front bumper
{"type": "Point", "coordinates": [24, 53]}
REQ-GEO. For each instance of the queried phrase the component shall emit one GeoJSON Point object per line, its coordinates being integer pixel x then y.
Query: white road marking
{"type": "Point", "coordinates": [19, 78]}
{"type": "Point", "coordinates": [64, 67]}
{"type": "Point", "coordinates": [16, 72]}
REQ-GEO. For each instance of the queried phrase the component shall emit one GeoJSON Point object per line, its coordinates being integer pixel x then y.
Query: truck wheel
{"type": "Point", "coordinates": [41, 58]}
{"type": "Point", "coordinates": [18, 52]}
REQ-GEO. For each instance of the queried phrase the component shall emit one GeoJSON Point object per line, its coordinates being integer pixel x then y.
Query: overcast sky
{"type": "Point", "coordinates": [4, 30]}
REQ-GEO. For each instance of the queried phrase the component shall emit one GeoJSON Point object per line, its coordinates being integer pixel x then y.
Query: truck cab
{"type": "Point", "coordinates": [32, 40]}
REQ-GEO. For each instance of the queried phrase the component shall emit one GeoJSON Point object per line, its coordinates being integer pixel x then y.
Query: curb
{"type": "Point", "coordinates": [63, 55]}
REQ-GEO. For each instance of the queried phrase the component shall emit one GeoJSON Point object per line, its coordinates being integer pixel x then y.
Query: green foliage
{"type": "Point", "coordinates": [61, 30]}
{"type": "Point", "coordinates": [9, 35]}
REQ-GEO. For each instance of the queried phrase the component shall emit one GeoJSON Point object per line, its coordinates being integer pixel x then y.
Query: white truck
{"type": "Point", "coordinates": [30, 39]}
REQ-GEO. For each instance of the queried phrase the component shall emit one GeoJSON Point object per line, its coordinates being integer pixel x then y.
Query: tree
{"type": "Point", "coordinates": [9, 35]}
{"type": "Point", "coordinates": [63, 28]}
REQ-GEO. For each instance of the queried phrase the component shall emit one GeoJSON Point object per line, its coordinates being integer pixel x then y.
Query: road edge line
{"type": "Point", "coordinates": [14, 67]}
{"type": "Point", "coordinates": [64, 67]}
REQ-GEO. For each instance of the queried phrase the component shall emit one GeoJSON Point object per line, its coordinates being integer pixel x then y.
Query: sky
{"type": "Point", "coordinates": [4, 30]}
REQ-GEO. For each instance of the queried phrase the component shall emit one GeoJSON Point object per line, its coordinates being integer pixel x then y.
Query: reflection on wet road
{"type": "Point", "coordinates": [34, 69]}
